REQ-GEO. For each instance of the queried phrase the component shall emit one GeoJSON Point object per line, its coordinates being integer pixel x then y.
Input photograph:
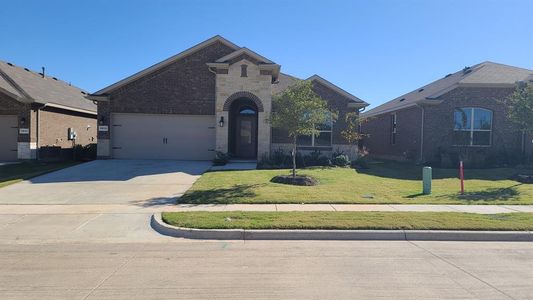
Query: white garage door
{"type": "Point", "coordinates": [145, 136]}
{"type": "Point", "coordinates": [8, 138]}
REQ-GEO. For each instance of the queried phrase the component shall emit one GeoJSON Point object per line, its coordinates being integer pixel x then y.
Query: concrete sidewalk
{"type": "Point", "coordinates": [166, 207]}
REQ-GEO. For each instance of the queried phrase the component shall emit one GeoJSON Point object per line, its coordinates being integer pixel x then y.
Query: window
{"type": "Point", "coordinates": [472, 127]}
{"type": "Point", "coordinates": [393, 123]}
{"type": "Point", "coordinates": [247, 111]}
{"type": "Point", "coordinates": [323, 139]}
{"type": "Point", "coordinates": [244, 71]}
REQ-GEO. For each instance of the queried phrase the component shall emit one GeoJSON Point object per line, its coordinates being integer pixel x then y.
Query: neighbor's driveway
{"type": "Point", "coordinates": [138, 182]}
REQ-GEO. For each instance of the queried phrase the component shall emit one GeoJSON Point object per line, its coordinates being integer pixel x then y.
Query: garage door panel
{"type": "Point", "coordinates": [8, 137]}
{"type": "Point", "coordinates": [143, 136]}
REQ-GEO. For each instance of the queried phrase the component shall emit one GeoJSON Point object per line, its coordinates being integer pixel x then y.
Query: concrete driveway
{"type": "Point", "coordinates": [99, 201]}
{"type": "Point", "coordinates": [137, 182]}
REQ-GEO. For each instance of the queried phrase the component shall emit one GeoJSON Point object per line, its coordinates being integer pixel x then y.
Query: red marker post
{"type": "Point", "coordinates": [462, 177]}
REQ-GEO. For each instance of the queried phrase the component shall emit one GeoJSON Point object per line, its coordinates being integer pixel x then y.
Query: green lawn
{"type": "Point", "coordinates": [14, 173]}
{"type": "Point", "coordinates": [350, 220]}
{"type": "Point", "coordinates": [386, 182]}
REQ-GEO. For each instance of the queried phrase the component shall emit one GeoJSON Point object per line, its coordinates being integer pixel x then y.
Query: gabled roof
{"type": "Point", "coordinates": [165, 63]}
{"type": "Point", "coordinates": [27, 86]}
{"type": "Point", "coordinates": [285, 81]}
{"type": "Point", "coordinates": [336, 89]}
{"type": "Point", "coordinates": [484, 74]}
{"type": "Point", "coordinates": [244, 51]}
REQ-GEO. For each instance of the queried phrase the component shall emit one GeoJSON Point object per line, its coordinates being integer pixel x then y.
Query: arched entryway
{"type": "Point", "coordinates": [242, 134]}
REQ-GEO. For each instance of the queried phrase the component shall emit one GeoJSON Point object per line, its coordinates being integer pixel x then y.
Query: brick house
{"type": "Point", "coordinates": [215, 96]}
{"type": "Point", "coordinates": [38, 111]}
{"type": "Point", "coordinates": [460, 114]}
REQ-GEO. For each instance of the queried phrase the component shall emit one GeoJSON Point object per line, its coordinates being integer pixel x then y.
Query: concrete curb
{"type": "Point", "coordinates": [383, 235]}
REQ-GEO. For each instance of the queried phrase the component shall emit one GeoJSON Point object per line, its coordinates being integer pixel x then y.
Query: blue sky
{"type": "Point", "coordinates": [375, 49]}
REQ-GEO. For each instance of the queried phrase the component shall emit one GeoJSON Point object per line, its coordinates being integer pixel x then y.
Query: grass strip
{"type": "Point", "coordinates": [13, 173]}
{"type": "Point", "coordinates": [351, 220]}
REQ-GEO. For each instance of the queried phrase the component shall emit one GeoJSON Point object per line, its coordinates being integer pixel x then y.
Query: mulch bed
{"type": "Point", "coordinates": [302, 180]}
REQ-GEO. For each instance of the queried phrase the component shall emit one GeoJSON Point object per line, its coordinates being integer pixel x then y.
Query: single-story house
{"type": "Point", "coordinates": [38, 110]}
{"type": "Point", "coordinates": [459, 115]}
{"type": "Point", "coordinates": [215, 96]}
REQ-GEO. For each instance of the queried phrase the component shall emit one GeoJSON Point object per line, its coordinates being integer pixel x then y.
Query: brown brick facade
{"type": "Point", "coordinates": [184, 87]}
{"type": "Point", "coordinates": [54, 124]}
{"type": "Point", "coordinates": [336, 102]}
{"type": "Point", "coordinates": [439, 128]}
{"type": "Point", "coordinates": [407, 142]}
{"type": "Point", "coordinates": [439, 124]}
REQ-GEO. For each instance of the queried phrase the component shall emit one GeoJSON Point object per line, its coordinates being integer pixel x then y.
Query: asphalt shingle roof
{"type": "Point", "coordinates": [32, 87]}
{"type": "Point", "coordinates": [486, 73]}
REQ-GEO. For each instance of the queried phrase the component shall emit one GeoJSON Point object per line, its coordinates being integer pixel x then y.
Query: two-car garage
{"type": "Point", "coordinates": [8, 137]}
{"type": "Point", "coordinates": [160, 136]}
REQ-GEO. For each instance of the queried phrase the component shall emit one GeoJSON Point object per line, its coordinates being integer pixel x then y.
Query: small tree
{"type": "Point", "coordinates": [297, 111]}
{"type": "Point", "coordinates": [352, 133]}
{"type": "Point", "coordinates": [520, 107]}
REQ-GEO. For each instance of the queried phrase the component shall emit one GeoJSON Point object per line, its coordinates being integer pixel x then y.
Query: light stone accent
{"type": "Point", "coordinates": [102, 149]}
{"type": "Point", "coordinates": [255, 83]}
{"type": "Point", "coordinates": [26, 150]}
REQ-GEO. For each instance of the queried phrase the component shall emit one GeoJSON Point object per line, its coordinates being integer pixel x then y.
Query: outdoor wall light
{"type": "Point", "coordinates": [22, 121]}
{"type": "Point", "coordinates": [102, 120]}
{"type": "Point", "coordinates": [221, 122]}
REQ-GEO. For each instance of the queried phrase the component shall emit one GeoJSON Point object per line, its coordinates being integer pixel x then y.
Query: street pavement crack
{"type": "Point", "coordinates": [121, 266]}
{"type": "Point", "coordinates": [461, 269]}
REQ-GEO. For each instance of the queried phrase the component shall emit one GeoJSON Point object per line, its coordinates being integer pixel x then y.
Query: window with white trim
{"type": "Point", "coordinates": [323, 139]}
{"type": "Point", "coordinates": [393, 128]}
{"type": "Point", "coordinates": [472, 126]}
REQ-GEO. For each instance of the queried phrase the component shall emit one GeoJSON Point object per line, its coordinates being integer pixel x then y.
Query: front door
{"type": "Point", "coordinates": [246, 134]}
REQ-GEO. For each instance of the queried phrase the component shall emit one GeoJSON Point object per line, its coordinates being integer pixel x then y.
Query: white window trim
{"type": "Point", "coordinates": [394, 129]}
{"type": "Point", "coordinates": [472, 130]}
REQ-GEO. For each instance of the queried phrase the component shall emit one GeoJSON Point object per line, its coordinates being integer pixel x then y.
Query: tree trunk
{"type": "Point", "coordinates": [294, 157]}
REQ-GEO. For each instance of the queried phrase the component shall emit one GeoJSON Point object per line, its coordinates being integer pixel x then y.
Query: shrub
{"type": "Point", "coordinates": [341, 160]}
{"type": "Point", "coordinates": [316, 158]}
{"type": "Point", "coordinates": [337, 152]}
{"type": "Point", "coordinates": [84, 153]}
{"type": "Point", "coordinates": [278, 159]}
{"type": "Point", "coordinates": [221, 158]}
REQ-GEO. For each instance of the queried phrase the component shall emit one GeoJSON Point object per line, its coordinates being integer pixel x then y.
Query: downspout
{"type": "Point", "coordinates": [421, 133]}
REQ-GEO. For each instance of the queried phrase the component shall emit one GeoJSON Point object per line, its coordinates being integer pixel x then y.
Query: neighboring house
{"type": "Point", "coordinates": [38, 110]}
{"type": "Point", "coordinates": [215, 96]}
{"type": "Point", "coordinates": [460, 114]}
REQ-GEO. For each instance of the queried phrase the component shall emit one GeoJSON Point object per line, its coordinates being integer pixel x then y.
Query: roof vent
{"type": "Point", "coordinates": [403, 99]}
{"type": "Point", "coordinates": [448, 75]}
{"type": "Point", "coordinates": [26, 69]}
{"type": "Point", "coordinates": [83, 92]}
{"type": "Point", "coordinates": [467, 70]}
{"type": "Point", "coordinates": [9, 64]}
{"type": "Point", "coordinates": [54, 78]}
{"type": "Point", "coordinates": [420, 90]}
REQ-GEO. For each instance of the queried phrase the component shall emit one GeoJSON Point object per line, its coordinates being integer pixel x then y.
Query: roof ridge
{"type": "Point", "coordinates": [167, 61]}
{"type": "Point", "coordinates": [505, 65]}
{"type": "Point", "coordinates": [41, 75]}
